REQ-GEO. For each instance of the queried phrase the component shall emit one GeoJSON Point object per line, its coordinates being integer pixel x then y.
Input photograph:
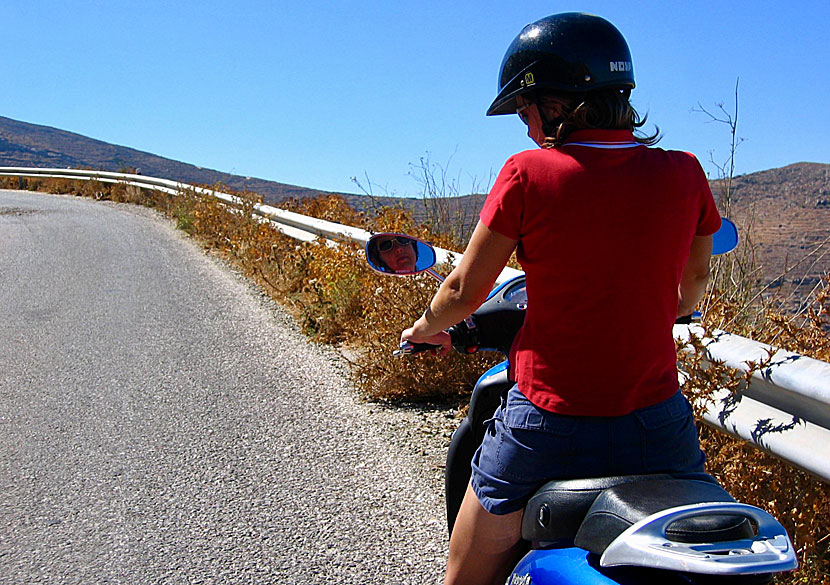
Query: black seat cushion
{"type": "Point", "coordinates": [555, 512]}
{"type": "Point", "coordinates": [617, 508]}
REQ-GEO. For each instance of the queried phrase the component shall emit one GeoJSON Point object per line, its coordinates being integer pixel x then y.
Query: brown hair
{"type": "Point", "coordinates": [607, 109]}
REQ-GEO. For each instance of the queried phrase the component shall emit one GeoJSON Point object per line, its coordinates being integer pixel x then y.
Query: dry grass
{"type": "Point", "coordinates": [338, 300]}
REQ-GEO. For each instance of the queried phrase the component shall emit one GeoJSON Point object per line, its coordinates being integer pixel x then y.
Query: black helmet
{"type": "Point", "coordinates": [566, 52]}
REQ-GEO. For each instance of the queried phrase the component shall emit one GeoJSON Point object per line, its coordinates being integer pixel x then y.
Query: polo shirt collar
{"type": "Point", "coordinates": [608, 139]}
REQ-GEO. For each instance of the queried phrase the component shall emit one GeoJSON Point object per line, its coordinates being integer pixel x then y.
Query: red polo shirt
{"type": "Point", "coordinates": [604, 228]}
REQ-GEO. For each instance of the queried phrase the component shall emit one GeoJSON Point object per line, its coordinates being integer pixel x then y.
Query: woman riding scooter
{"type": "Point", "coordinates": [590, 399]}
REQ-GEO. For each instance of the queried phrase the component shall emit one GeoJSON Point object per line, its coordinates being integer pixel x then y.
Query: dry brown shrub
{"type": "Point", "coordinates": [331, 292]}
{"type": "Point", "coordinates": [93, 189]}
{"type": "Point", "coordinates": [330, 207]}
{"type": "Point", "coordinates": [60, 186]}
{"type": "Point", "coordinates": [396, 303]}
{"type": "Point", "coordinates": [337, 298]}
{"type": "Point", "coordinates": [124, 193]}
{"type": "Point", "coordinates": [319, 282]}
{"type": "Point", "coordinates": [805, 333]}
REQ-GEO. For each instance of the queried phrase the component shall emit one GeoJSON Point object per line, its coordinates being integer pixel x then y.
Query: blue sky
{"type": "Point", "coordinates": [313, 93]}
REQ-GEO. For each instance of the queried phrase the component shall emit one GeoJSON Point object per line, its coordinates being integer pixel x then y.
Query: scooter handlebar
{"type": "Point", "coordinates": [695, 317]}
{"type": "Point", "coordinates": [408, 348]}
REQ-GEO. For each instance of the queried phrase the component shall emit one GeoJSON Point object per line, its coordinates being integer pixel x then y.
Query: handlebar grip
{"type": "Point", "coordinates": [408, 348]}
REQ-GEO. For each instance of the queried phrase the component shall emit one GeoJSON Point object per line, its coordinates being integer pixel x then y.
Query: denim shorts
{"type": "Point", "coordinates": [526, 446]}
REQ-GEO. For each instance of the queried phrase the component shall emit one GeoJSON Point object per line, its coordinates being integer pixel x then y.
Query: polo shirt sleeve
{"type": "Point", "coordinates": [503, 209]}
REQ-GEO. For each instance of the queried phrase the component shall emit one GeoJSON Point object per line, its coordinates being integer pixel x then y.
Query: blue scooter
{"type": "Point", "coordinates": [623, 530]}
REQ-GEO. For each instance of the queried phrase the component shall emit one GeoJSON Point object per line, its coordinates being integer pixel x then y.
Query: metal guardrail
{"type": "Point", "coordinates": [785, 410]}
{"type": "Point", "coordinates": [292, 224]}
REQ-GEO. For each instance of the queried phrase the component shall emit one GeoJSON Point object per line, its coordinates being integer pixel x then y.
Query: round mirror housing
{"type": "Point", "coordinates": [726, 238]}
{"type": "Point", "coordinates": [399, 254]}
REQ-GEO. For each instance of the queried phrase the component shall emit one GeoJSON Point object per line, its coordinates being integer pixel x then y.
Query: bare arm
{"type": "Point", "coordinates": [465, 288]}
{"type": "Point", "coordinates": [695, 275]}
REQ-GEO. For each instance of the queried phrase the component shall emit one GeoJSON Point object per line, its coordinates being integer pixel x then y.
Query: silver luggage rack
{"type": "Point", "coordinates": [645, 544]}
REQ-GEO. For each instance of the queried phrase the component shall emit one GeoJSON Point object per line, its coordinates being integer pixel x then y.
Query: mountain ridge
{"type": "Point", "coordinates": [26, 144]}
{"type": "Point", "coordinates": [788, 207]}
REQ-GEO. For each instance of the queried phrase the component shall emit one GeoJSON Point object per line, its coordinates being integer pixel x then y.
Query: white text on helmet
{"type": "Point", "coordinates": [620, 65]}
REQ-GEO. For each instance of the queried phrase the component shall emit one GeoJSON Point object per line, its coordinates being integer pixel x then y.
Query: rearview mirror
{"type": "Point", "coordinates": [399, 254]}
{"type": "Point", "coordinates": [726, 238]}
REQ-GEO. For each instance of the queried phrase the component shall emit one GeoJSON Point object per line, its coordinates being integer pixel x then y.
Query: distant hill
{"type": "Point", "coordinates": [789, 207]}
{"type": "Point", "coordinates": [31, 145]}
{"type": "Point", "coordinates": [788, 210]}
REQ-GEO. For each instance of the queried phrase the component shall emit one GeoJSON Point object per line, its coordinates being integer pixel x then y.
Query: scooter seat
{"type": "Point", "coordinates": [618, 508]}
{"type": "Point", "coordinates": [554, 514]}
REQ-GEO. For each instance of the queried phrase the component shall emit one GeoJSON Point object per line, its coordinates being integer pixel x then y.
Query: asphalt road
{"type": "Point", "coordinates": [162, 422]}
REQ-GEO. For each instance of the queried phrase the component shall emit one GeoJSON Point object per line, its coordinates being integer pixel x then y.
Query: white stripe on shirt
{"type": "Point", "coordinates": [607, 145]}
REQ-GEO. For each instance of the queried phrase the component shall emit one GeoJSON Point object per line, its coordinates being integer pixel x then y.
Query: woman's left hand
{"type": "Point", "coordinates": [464, 289]}
{"type": "Point", "coordinates": [441, 338]}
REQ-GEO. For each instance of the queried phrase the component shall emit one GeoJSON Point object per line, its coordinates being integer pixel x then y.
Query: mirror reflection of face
{"type": "Point", "coordinates": [398, 256]}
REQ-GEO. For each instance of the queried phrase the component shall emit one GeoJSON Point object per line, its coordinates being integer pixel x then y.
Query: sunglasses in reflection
{"type": "Point", "coordinates": [401, 241]}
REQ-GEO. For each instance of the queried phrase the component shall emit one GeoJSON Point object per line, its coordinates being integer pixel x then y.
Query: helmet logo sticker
{"type": "Point", "coordinates": [529, 79]}
{"type": "Point", "coordinates": [620, 66]}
